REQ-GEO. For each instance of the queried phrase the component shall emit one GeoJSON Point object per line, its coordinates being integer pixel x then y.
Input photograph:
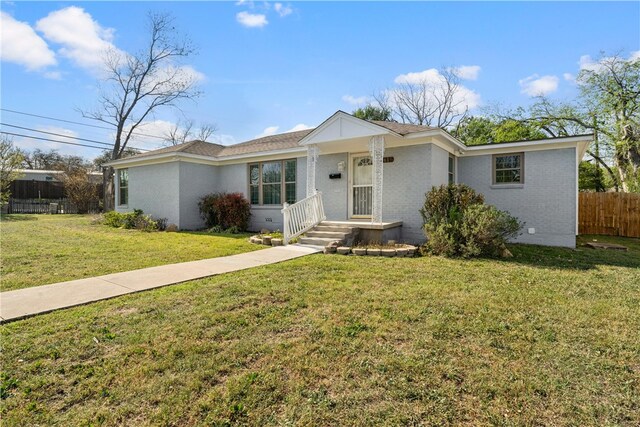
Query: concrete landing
{"type": "Point", "coordinates": [27, 302]}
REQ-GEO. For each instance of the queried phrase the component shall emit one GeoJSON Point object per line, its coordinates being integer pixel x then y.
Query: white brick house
{"type": "Point", "coordinates": [374, 174]}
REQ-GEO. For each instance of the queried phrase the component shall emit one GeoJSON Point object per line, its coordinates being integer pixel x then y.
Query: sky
{"type": "Point", "coordinates": [272, 67]}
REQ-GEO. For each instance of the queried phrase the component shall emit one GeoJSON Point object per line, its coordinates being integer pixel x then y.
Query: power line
{"type": "Point", "coordinates": [77, 123]}
{"type": "Point", "coordinates": [51, 140]}
{"type": "Point", "coordinates": [67, 136]}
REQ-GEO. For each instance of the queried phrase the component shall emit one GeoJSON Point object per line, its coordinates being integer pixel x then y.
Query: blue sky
{"type": "Point", "coordinates": [271, 67]}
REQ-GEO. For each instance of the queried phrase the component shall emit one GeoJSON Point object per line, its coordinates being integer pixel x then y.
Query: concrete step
{"type": "Point", "coordinates": [339, 235]}
{"type": "Point", "coordinates": [333, 228]}
{"type": "Point", "coordinates": [316, 241]}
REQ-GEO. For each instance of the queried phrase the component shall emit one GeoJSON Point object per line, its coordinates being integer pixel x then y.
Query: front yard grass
{"type": "Point", "coordinates": [43, 249]}
{"type": "Point", "coordinates": [549, 337]}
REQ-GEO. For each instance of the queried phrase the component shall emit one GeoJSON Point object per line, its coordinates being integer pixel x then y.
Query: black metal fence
{"type": "Point", "coordinates": [43, 206]}
{"type": "Point", "coordinates": [31, 189]}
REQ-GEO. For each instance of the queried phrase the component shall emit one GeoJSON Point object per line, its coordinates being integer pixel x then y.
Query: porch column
{"type": "Point", "coordinates": [376, 149]}
{"type": "Point", "coordinates": [312, 159]}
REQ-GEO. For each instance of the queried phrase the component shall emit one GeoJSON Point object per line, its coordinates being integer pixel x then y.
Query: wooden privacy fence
{"type": "Point", "coordinates": [612, 214]}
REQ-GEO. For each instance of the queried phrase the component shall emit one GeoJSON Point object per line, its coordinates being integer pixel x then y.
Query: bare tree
{"type": "Point", "coordinates": [182, 132]}
{"type": "Point", "coordinates": [139, 84]}
{"type": "Point", "coordinates": [10, 161]}
{"type": "Point", "coordinates": [437, 101]}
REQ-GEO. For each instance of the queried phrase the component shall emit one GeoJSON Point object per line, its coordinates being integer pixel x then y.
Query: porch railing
{"type": "Point", "coordinates": [302, 216]}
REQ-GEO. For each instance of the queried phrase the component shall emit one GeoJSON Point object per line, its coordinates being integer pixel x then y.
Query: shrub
{"type": "Point", "coordinates": [458, 223]}
{"type": "Point", "coordinates": [133, 220]}
{"type": "Point", "coordinates": [228, 210]}
{"type": "Point", "coordinates": [208, 212]}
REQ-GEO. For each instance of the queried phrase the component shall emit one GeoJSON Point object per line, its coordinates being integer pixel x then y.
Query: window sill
{"type": "Point", "coordinates": [258, 207]}
{"type": "Point", "coordinates": [506, 186]}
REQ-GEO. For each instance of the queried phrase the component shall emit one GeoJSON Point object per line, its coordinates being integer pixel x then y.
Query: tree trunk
{"type": "Point", "coordinates": [109, 188]}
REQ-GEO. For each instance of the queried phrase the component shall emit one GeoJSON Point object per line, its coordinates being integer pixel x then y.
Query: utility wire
{"type": "Point", "coordinates": [78, 123]}
{"type": "Point", "coordinates": [51, 140]}
{"type": "Point", "coordinates": [68, 136]}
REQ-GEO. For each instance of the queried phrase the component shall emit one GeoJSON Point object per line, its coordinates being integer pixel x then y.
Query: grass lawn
{"type": "Point", "coordinates": [43, 249]}
{"type": "Point", "coordinates": [550, 337]}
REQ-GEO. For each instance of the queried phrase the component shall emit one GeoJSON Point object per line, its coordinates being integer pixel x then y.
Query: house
{"type": "Point", "coordinates": [371, 175]}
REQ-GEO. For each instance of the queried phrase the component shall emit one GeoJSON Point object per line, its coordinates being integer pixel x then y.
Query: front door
{"type": "Point", "coordinates": [361, 186]}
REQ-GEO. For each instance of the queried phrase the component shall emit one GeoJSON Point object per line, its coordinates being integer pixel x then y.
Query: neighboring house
{"type": "Point", "coordinates": [376, 173]}
{"type": "Point", "coordinates": [51, 175]}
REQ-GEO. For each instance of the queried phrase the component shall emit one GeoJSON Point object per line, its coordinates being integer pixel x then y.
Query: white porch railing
{"type": "Point", "coordinates": [302, 216]}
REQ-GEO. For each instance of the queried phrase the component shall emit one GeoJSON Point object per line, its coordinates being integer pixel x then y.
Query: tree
{"type": "Point", "coordinates": [79, 188]}
{"type": "Point", "coordinates": [371, 112]}
{"type": "Point", "coordinates": [183, 132]}
{"type": "Point", "coordinates": [105, 157]}
{"type": "Point", "coordinates": [609, 107]}
{"type": "Point", "coordinates": [437, 99]}
{"type": "Point", "coordinates": [51, 160]}
{"type": "Point", "coordinates": [485, 130]}
{"type": "Point", "coordinates": [140, 84]}
{"type": "Point", "coordinates": [10, 161]}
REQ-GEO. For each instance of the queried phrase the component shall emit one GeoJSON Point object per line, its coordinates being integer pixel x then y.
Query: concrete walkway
{"type": "Point", "coordinates": [42, 299]}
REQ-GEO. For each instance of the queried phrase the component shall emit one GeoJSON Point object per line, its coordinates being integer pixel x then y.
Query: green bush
{"type": "Point", "coordinates": [458, 223]}
{"type": "Point", "coordinates": [227, 210]}
{"type": "Point", "coordinates": [133, 220]}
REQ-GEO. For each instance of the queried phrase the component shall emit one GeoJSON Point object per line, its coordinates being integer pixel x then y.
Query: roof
{"type": "Point", "coordinates": [402, 128]}
{"type": "Point", "coordinates": [192, 147]}
{"type": "Point", "coordinates": [280, 141]}
{"type": "Point", "coordinates": [277, 142]}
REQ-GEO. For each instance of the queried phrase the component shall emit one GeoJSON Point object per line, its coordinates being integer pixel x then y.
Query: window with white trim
{"type": "Point", "coordinates": [452, 169]}
{"type": "Point", "coordinates": [123, 186]}
{"type": "Point", "coordinates": [271, 183]}
{"type": "Point", "coordinates": [508, 168]}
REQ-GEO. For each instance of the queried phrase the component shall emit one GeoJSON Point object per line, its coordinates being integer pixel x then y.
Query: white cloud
{"type": "Point", "coordinates": [83, 40]}
{"type": "Point", "coordinates": [252, 20]}
{"type": "Point", "coordinates": [467, 72]}
{"type": "Point", "coordinates": [536, 85]}
{"type": "Point", "coordinates": [431, 75]}
{"type": "Point", "coordinates": [634, 55]}
{"type": "Point", "coordinates": [21, 45]}
{"type": "Point", "coordinates": [353, 100]}
{"type": "Point", "coordinates": [586, 62]}
{"type": "Point", "coordinates": [569, 77]}
{"type": "Point", "coordinates": [29, 144]}
{"type": "Point", "coordinates": [271, 130]}
{"type": "Point", "coordinates": [154, 131]}
{"type": "Point", "coordinates": [465, 98]}
{"type": "Point", "coordinates": [299, 126]}
{"type": "Point", "coordinates": [282, 10]}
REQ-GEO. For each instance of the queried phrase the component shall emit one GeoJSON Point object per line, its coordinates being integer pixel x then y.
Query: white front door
{"type": "Point", "coordinates": [361, 186]}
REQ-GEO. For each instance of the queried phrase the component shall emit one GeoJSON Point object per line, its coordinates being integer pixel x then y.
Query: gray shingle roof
{"type": "Point", "coordinates": [268, 143]}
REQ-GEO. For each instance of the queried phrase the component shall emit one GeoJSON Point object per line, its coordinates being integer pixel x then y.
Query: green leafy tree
{"type": "Point", "coordinates": [371, 112]}
{"type": "Point", "coordinates": [10, 162]}
{"type": "Point", "coordinates": [484, 130]}
{"type": "Point", "coordinates": [609, 107]}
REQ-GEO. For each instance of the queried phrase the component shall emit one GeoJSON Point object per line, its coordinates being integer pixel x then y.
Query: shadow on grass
{"type": "Point", "coordinates": [17, 217]}
{"type": "Point", "coordinates": [581, 258]}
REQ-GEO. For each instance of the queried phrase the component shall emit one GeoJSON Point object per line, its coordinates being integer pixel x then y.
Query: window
{"type": "Point", "coordinates": [452, 169]}
{"type": "Point", "coordinates": [123, 185]}
{"type": "Point", "coordinates": [508, 168]}
{"type": "Point", "coordinates": [272, 182]}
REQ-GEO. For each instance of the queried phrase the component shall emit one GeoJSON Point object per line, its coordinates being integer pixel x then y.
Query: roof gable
{"type": "Point", "coordinates": [344, 126]}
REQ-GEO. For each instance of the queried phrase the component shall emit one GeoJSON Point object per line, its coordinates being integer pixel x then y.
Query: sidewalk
{"type": "Point", "coordinates": [42, 299]}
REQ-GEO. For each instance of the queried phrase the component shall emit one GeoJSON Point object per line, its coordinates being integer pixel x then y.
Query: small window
{"type": "Point", "coordinates": [123, 185]}
{"type": "Point", "coordinates": [508, 169]}
{"type": "Point", "coordinates": [452, 169]}
{"type": "Point", "coordinates": [271, 183]}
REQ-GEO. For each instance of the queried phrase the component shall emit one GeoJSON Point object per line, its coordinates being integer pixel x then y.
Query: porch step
{"type": "Point", "coordinates": [327, 232]}
{"type": "Point", "coordinates": [316, 241]}
{"type": "Point", "coordinates": [336, 235]}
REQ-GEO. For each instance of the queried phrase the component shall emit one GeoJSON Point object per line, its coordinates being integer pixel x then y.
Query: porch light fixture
{"type": "Point", "coordinates": [340, 166]}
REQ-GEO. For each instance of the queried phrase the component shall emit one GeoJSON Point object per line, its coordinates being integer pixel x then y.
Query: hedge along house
{"type": "Point", "coordinates": [355, 173]}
